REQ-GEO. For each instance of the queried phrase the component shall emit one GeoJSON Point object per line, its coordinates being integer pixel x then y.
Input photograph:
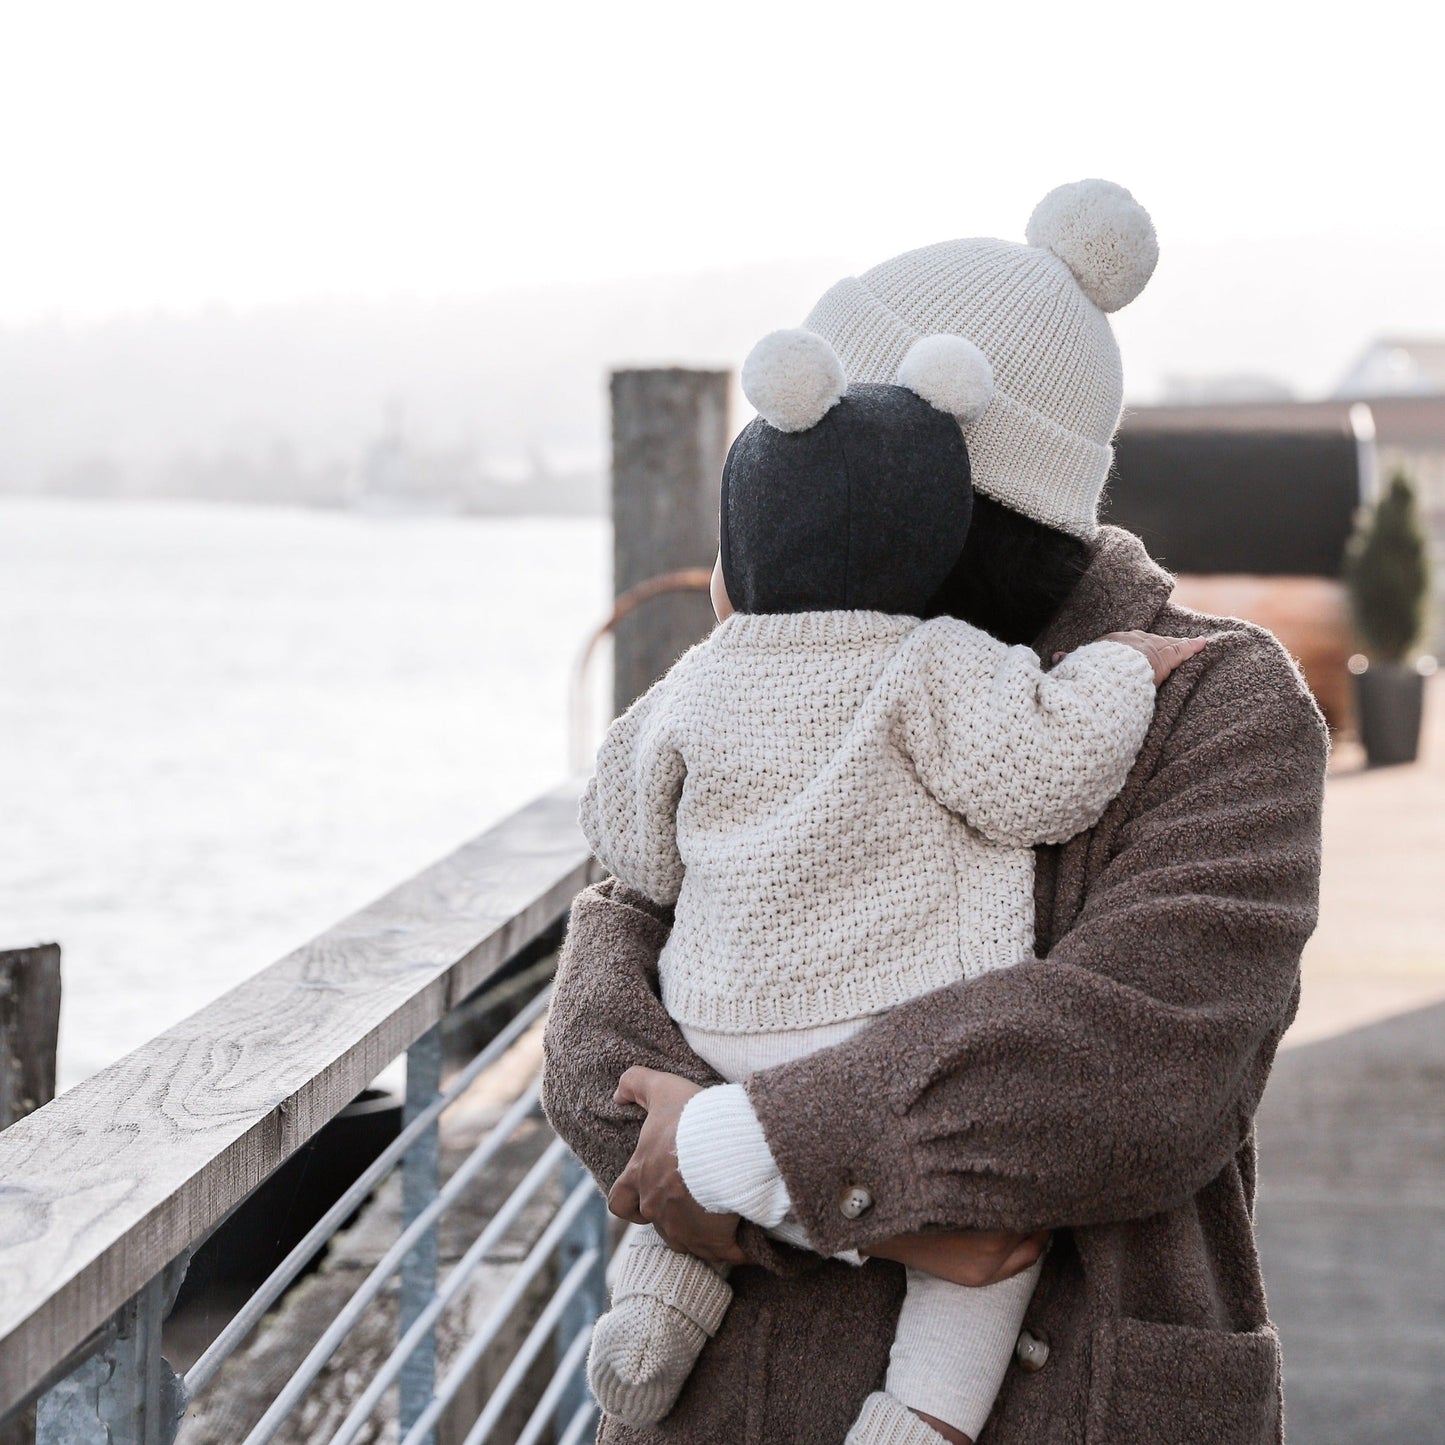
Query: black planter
{"type": "Point", "coordinates": [1389, 697]}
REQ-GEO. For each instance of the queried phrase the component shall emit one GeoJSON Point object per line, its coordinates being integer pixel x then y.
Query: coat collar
{"type": "Point", "coordinates": [1122, 588]}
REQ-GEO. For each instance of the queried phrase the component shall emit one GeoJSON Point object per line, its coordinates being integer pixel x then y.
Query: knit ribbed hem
{"type": "Point", "coordinates": [665, 1307]}
{"type": "Point", "coordinates": [724, 1159]}
{"type": "Point", "coordinates": [1018, 456]}
{"type": "Point", "coordinates": [765, 1010]}
{"type": "Point", "coordinates": [1033, 465]}
{"type": "Point", "coordinates": [694, 1289]}
{"type": "Point", "coordinates": [886, 1421]}
{"type": "Point", "coordinates": [790, 630]}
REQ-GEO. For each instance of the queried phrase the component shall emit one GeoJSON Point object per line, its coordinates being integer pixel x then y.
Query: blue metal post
{"type": "Point", "coordinates": [420, 1178]}
{"type": "Point", "coordinates": [126, 1393]}
{"type": "Point", "coordinates": [589, 1231]}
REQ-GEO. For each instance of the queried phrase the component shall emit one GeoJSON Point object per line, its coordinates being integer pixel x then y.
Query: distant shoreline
{"type": "Point", "coordinates": [366, 506]}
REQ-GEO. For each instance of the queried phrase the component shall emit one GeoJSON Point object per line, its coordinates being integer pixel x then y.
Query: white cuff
{"type": "Point", "coordinates": [724, 1159]}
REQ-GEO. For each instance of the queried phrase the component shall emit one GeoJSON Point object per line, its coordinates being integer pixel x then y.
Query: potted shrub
{"type": "Point", "coordinates": [1388, 573]}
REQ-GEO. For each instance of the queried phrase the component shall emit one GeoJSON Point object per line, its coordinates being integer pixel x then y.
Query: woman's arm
{"type": "Point", "coordinates": [605, 1018]}
{"type": "Point", "coordinates": [1114, 1079]}
{"type": "Point", "coordinates": [652, 1190]}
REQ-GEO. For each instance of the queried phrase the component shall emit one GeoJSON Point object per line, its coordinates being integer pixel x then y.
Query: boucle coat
{"type": "Point", "coordinates": [846, 803]}
{"type": "Point", "coordinates": [1106, 1090]}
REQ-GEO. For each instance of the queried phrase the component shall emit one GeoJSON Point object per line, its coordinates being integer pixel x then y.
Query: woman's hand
{"type": "Point", "coordinates": [972, 1257]}
{"type": "Point", "coordinates": [650, 1189]}
{"type": "Point", "coordinates": [1163, 654]}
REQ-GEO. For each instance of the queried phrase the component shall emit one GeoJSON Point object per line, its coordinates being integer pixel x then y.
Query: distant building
{"type": "Point", "coordinates": [1396, 366]}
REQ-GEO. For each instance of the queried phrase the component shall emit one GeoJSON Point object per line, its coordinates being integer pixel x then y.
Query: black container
{"type": "Point", "coordinates": [1262, 503]}
{"type": "Point", "coordinates": [1389, 700]}
{"type": "Point", "coordinates": [260, 1232]}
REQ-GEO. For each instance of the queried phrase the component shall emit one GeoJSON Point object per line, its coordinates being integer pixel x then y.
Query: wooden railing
{"type": "Point", "coordinates": [104, 1190]}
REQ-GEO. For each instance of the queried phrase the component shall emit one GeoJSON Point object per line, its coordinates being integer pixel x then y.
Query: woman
{"type": "Point", "coordinates": [1104, 1091]}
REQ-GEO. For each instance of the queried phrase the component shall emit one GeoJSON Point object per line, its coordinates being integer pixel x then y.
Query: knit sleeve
{"type": "Point", "coordinates": [1025, 756]}
{"type": "Point", "coordinates": [629, 809]}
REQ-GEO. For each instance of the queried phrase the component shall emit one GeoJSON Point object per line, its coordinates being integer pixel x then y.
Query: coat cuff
{"type": "Point", "coordinates": [724, 1159]}
{"type": "Point", "coordinates": [842, 1151]}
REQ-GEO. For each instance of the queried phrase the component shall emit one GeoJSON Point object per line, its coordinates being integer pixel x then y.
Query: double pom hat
{"type": "Point", "coordinates": [1038, 313]}
{"type": "Point", "coordinates": [850, 498]}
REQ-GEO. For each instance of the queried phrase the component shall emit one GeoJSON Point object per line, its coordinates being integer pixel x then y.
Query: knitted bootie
{"type": "Point", "coordinates": [665, 1307]}
{"type": "Point", "coordinates": [886, 1420]}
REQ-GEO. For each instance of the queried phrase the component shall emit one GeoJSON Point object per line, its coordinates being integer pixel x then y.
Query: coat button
{"type": "Point", "coordinates": [1031, 1352]}
{"type": "Point", "coordinates": [853, 1201]}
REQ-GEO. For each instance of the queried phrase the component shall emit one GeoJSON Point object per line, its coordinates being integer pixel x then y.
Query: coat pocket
{"type": "Point", "coordinates": [1174, 1385]}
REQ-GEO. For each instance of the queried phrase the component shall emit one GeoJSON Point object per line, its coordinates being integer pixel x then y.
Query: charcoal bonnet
{"type": "Point", "coordinates": [867, 510]}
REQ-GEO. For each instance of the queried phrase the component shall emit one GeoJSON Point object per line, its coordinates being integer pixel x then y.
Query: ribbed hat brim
{"type": "Point", "coordinates": [1019, 456]}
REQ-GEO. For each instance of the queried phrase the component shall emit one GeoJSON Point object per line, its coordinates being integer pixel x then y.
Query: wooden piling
{"type": "Point", "coordinates": [29, 1031]}
{"type": "Point", "coordinates": [670, 435]}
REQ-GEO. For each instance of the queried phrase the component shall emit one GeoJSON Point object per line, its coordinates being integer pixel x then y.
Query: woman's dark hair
{"type": "Point", "coordinates": [1013, 574]}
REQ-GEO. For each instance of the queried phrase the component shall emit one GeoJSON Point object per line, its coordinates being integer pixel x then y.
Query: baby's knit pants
{"type": "Point", "coordinates": [953, 1344]}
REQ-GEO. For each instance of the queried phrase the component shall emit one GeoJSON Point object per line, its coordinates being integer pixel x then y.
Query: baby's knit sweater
{"type": "Point", "coordinates": [842, 806]}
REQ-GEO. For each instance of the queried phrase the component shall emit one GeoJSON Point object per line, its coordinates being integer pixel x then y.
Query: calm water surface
{"type": "Point", "coordinates": [223, 728]}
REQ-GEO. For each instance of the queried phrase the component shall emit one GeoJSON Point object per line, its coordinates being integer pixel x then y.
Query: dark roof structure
{"type": "Point", "coordinates": [1406, 421]}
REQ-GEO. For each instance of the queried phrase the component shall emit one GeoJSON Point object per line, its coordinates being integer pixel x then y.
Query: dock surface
{"type": "Point", "coordinates": [1351, 1214]}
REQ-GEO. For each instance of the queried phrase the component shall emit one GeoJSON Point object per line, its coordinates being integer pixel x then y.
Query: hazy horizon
{"type": "Point", "coordinates": [304, 400]}
{"type": "Point", "coordinates": [268, 243]}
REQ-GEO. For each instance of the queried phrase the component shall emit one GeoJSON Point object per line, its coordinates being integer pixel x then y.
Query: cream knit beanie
{"type": "Point", "coordinates": [1043, 444]}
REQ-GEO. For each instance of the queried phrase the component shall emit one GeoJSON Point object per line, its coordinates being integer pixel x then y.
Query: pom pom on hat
{"type": "Point", "coordinates": [949, 373]}
{"type": "Point", "coordinates": [1102, 234]}
{"type": "Point", "coordinates": [793, 378]}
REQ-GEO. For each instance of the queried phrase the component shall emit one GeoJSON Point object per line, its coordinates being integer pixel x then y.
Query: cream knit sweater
{"type": "Point", "coordinates": [842, 806]}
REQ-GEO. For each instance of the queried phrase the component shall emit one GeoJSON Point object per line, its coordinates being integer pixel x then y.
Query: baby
{"type": "Point", "coordinates": [841, 801]}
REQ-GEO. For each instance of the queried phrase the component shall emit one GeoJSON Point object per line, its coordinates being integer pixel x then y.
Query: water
{"type": "Point", "coordinates": [223, 728]}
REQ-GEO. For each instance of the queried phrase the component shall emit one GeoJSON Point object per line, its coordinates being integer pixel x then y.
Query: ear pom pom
{"type": "Point", "coordinates": [794, 379]}
{"type": "Point", "coordinates": [950, 373]}
{"type": "Point", "coordinates": [1102, 234]}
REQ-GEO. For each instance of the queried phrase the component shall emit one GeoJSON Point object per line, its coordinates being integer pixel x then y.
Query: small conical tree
{"type": "Point", "coordinates": [1388, 570]}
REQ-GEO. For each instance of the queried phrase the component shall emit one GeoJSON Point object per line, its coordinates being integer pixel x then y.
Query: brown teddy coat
{"type": "Point", "coordinates": [1105, 1090]}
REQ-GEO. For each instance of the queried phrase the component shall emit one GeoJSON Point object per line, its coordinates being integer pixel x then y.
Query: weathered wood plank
{"type": "Point", "coordinates": [101, 1188]}
{"type": "Point", "coordinates": [29, 1024]}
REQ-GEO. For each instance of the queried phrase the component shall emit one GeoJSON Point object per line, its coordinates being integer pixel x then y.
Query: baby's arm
{"type": "Point", "coordinates": [629, 810]}
{"type": "Point", "coordinates": [1026, 756]}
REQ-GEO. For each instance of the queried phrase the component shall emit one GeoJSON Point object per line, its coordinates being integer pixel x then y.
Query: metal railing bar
{"type": "Point", "coordinates": [296, 1387]}
{"type": "Point", "coordinates": [578, 1425]}
{"type": "Point", "coordinates": [567, 1367]}
{"type": "Point", "coordinates": [420, 1180]}
{"type": "Point", "coordinates": [530, 1348]}
{"type": "Point", "coordinates": [593, 1230]}
{"type": "Point", "coordinates": [510, 1297]}
{"type": "Point", "coordinates": [251, 1313]}
{"type": "Point", "coordinates": [465, 1267]}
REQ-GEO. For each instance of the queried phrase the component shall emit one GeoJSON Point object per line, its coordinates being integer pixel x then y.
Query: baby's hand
{"type": "Point", "coordinates": [1163, 654]}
